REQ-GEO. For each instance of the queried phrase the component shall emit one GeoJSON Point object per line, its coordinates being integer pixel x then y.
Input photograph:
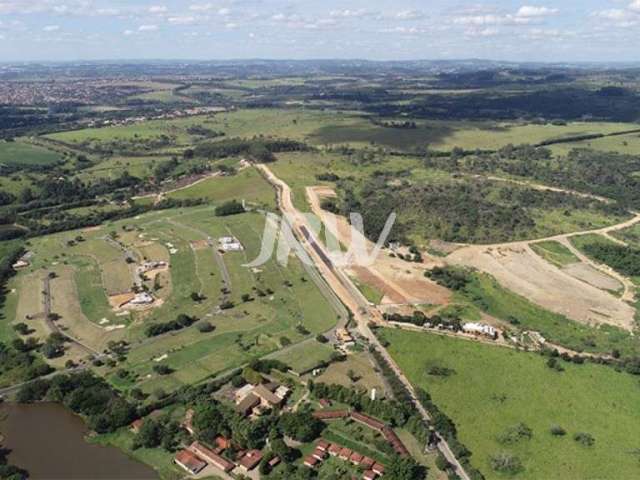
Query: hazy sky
{"type": "Point", "coordinates": [373, 29]}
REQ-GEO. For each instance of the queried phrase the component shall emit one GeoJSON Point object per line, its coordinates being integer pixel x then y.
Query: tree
{"type": "Point", "coordinates": [505, 462]}
{"type": "Point", "coordinates": [301, 426]}
{"type": "Point", "coordinates": [162, 369]}
{"type": "Point", "coordinates": [205, 327]}
{"type": "Point", "coordinates": [22, 328]}
{"type": "Point", "coordinates": [150, 434]}
{"type": "Point", "coordinates": [405, 469]}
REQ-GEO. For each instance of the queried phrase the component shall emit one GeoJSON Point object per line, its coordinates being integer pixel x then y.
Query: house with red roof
{"type": "Point", "coordinates": [189, 462]}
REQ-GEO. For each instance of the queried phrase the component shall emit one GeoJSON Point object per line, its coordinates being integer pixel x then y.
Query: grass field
{"type": "Point", "coordinates": [630, 235]}
{"type": "Point", "coordinates": [245, 185]}
{"type": "Point", "coordinates": [358, 363]}
{"type": "Point", "coordinates": [494, 389]}
{"type": "Point", "coordinates": [23, 154]}
{"type": "Point", "coordinates": [306, 356]}
{"type": "Point", "coordinates": [627, 144]}
{"type": "Point", "coordinates": [555, 253]}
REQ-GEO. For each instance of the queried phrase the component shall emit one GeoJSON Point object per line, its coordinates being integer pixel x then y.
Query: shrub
{"type": "Point", "coordinates": [584, 439]}
{"type": "Point", "coordinates": [558, 431]}
{"type": "Point", "coordinates": [504, 462]}
{"type": "Point", "coordinates": [515, 434]}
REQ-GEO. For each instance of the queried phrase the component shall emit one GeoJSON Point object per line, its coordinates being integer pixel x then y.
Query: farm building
{"type": "Point", "coordinates": [250, 460]}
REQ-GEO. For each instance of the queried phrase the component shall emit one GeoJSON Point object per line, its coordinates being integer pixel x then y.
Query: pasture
{"type": "Point", "coordinates": [18, 153]}
{"type": "Point", "coordinates": [492, 389]}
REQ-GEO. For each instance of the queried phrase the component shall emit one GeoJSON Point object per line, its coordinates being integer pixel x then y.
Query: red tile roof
{"type": "Point", "coordinates": [369, 475]}
{"type": "Point", "coordinates": [189, 461]}
{"type": "Point", "coordinates": [311, 461]}
{"type": "Point", "coordinates": [356, 458]}
{"type": "Point", "coordinates": [324, 415]}
{"type": "Point", "coordinates": [322, 444]}
{"type": "Point", "coordinates": [368, 421]}
{"type": "Point", "coordinates": [251, 459]}
{"type": "Point", "coordinates": [334, 449]}
{"type": "Point", "coordinates": [345, 453]}
{"type": "Point", "coordinates": [395, 441]}
{"type": "Point", "coordinates": [211, 456]}
{"type": "Point", "coordinates": [378, 468]}
{"type": "Point", "coordinates": [367, 463]}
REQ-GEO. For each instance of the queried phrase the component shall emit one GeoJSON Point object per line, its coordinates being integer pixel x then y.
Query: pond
{"type": "Point", "coordinates": [48, 441]}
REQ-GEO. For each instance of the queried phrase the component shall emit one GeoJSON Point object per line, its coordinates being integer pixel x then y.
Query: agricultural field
{"type": "Point", "coordinates": [492, 390]}
{"type": "Point", "coordinates": [18, 153]}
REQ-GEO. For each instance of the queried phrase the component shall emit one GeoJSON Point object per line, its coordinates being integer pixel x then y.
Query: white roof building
{"type": "Point", "coordinates": [479, 328]}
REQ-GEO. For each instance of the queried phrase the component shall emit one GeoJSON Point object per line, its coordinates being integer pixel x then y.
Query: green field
{"type": "Point", "coordinates": [245, 185]}
{"type": "Point", "coordinates": [628, 144]}
{"type": "Point", "coordinates": [555, 253]}
{"type": "Point", "coordinates": [495, 388]}
{"type": "Point", "coordinates": [306, 356]}
{"type": "Point", "coordinates": [18, 153]}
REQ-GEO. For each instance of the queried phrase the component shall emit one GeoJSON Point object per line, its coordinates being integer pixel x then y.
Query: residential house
{"type": "Point", "coordinates": [190, 462]}
{"type": "Point", "coordinates": [212, 457]}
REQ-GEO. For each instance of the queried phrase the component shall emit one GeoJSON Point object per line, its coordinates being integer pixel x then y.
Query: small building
{"type": "Point", "coordinates": [282, 392]}
{"type": "Point", "coordinates": [324, 403]}
{"type": "Point", "coordinates": [274, 461]}
{"type": "Point", "coordinates": [369, 475]}
{"type": "Point", "coordinates": [479, 329]}
{"type": "Point", "coordinates": [242, 392]}
{"type": "Point", "coordinates": [332, 415]}
{"type": "Point", "coordinates": [250, 460]}
{"type": "Point", "coordinates": [248, 403]}
{"type": "Point", "coordinates": [367, 463]}
{"type": "Point", "coordinates": [322, 445]}
{"type": "Point", "coordinates": [212, 457]}
{"type": "Point", "coordinates": [319, 454]}
{"type": "Point", "coordinates": [189, 462]}
{"type": "Point", "coordinates": [267, 396]}
{"type": "Point", "coordinates": [345, 454]}
{"type": "Point", "coordinates": [230, 244]}
{"type": "Point", "coordinates": [334, 449]}
{"type": "Point", "coordinates": [223, 443]}
{"type": "Point", "coordinates": [311, 461]}
{"type": "Point", "coordinates": [356, 458]}
{"type": "Point", "coordinates": [143, 298]}
{"type": "Point", "coordinates": [136, 425]}
{"type": "Point", "coordinates": [378, 468]}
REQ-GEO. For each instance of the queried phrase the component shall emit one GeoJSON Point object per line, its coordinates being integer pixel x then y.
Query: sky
{"type": "Point", "coordinates": [570, 30]}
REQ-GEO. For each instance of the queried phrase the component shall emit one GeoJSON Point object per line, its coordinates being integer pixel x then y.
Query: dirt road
{"type": "Point", "coordinates": [519, 269]}
{"type": "Point", "coordinates": [343, 287]}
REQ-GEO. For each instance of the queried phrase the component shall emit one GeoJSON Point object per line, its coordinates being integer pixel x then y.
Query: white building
{"type": "Point", "coordinates": [143, 298]}
{"type": "Point", "coordinates": [479, 329]}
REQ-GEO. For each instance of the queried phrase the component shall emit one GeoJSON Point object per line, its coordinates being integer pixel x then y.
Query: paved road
{"type": "Point", "coordinates": [349, 294]}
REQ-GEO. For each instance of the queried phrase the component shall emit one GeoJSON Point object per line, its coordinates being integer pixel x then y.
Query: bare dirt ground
{"type": "Point", "coordinates": [117, 301]}
{"type": "Point", "coordinates": [519, 269]}
{"type": "Point", "coordinates": [593, 276]}
{"type": "Point", "coordinates": [199, 244]}
{"type": "Point", "coordinates": [402, 282]}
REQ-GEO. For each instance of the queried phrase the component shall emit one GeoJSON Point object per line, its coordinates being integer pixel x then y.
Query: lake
{"type": "Point", "coordinates": [49, 441]}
